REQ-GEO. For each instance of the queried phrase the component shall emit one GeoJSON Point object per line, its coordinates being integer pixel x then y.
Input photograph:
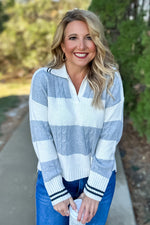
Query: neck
{"type": "Point", "coordinates": [76, 75]}
{"type": "Point", "coordinates": [76, 72]}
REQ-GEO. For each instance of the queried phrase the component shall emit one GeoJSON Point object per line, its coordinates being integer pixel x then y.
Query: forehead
{"type": "Point", "coordinates": [76, 27]}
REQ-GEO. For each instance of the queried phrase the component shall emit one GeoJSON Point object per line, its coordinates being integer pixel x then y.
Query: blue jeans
{"type": "Point", "coordinates": [46, 215]}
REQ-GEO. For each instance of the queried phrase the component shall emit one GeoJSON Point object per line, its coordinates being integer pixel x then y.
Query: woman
{"type": "Point", "coordinates": [76, 120]}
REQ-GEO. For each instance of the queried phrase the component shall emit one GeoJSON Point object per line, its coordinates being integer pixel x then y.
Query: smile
{"type": "Point", "coordinates": [81, 55]}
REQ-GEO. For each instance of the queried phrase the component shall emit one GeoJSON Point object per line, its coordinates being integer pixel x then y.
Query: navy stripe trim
{"type": "Point", "coordinates": [95, 189]}
{"type": "Point", "coordinates": [93, 192]}
{"type": "Point", "coordinates": [59, 196]}
{"type": "Point", "coordinates": [49, 70]}
{"type": "Point", "coordinates": [57, 193]}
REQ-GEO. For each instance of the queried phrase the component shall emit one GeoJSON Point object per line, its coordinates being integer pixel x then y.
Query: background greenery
{"type": "Point", "coordinates": [26, 31]}
{"type": "Point", "coordinates": [127, 27]}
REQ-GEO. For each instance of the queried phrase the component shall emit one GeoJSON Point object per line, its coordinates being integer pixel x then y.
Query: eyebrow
{"type": "Point", "coordinates": [74, 34]}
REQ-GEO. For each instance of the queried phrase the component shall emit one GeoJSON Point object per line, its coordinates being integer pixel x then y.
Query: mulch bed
{"type": "Point", "coordinates": [135, 153]}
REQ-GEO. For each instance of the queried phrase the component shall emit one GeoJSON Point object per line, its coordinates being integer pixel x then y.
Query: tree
{"type": "Point", "coordinates": [25, 42]}
{"type": "Point", "coordinates": [128, 36]}
{"type": "Point", "coordinates": [140, 115]}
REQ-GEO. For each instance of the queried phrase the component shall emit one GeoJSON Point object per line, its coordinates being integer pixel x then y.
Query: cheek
{"type": "Point", "coordinates": [93, 48]}
{"type": "Point", "coordinates": [68, 47]}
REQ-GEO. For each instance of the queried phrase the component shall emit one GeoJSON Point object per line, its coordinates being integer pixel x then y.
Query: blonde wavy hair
{"type": "Point", "coordinates": [102, 67]}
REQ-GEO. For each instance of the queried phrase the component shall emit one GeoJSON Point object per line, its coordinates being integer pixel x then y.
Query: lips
{"type": "Point", "coordinates": [81, 55]}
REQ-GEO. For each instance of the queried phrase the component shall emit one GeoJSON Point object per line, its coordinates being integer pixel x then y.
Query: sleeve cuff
{"type": "Point", "coordinates": [96, 186]}
{"type": "Point", "coordinates": [56, 190]}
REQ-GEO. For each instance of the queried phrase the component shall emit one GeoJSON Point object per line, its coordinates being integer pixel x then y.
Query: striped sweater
{"type": "Point", "coordinates": [71, 138]}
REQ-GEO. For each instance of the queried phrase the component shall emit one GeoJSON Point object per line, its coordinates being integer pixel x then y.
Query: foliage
{"type": "Point", "coordinates": [128, 35]}
{"type": "Point", "coordinates": [25, 42]}
{"type": "Point", "coordinates": [141, 114]}
{"type": "Point", "coordinates": [3, 16]}
{"type": "Point", "coordinates": [110, 12]}
{"type": "Point", "coordinates": [127, 49]}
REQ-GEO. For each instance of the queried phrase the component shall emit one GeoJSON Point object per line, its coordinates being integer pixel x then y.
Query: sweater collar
{"type": "Point", "coordinates": [61, 72]}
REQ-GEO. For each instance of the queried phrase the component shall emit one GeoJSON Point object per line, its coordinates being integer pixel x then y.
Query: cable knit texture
{"type": "Point", "coordinates": [71, 138]}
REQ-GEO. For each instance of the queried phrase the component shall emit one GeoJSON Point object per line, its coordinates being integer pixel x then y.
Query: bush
{"type": "Point", "coordinates": [141, 114]}
{"type": "Point", "coordinates": [127, 49]}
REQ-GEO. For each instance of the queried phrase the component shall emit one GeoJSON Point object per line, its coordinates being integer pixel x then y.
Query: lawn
{"type": "Point", "coordinates": [10, 90]}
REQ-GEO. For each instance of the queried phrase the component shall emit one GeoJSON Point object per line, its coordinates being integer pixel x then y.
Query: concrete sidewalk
{"type": "Point", "coordinates": [18, 177]}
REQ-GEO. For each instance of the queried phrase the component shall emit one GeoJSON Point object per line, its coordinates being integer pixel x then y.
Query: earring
{"type": "Point", "coordinates": [63, 57]}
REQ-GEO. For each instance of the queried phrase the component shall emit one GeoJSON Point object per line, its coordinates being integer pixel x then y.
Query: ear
{"type": "Point", "coordinates": [62, 47]}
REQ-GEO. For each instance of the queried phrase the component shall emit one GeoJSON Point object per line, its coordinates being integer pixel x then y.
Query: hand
{"type": "Point", "coordinates": [62, 207]}
{"type": "Point", "coordinates": [88, 208]}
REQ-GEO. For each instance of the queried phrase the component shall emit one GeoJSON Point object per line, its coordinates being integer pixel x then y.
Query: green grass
{"type": "Point", "coordinates": [7, 103]}
{"type": "Point", "coordinates": [15, 87]}
{"type": "Point", "coordinates": [9, 95]}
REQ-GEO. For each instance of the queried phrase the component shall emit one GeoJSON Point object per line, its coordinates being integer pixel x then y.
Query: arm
{"type": "Point", "coordinates": [103, 160]}
{"type": "Point", "coordinates": [42, 139]}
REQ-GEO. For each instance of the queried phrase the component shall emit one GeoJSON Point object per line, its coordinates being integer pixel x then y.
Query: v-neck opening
{"type": "Point", "coordinates": [76, 96]}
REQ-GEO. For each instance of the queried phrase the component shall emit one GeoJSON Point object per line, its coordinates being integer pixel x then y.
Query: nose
{"type": "Point", "coordinates": [81, 45]}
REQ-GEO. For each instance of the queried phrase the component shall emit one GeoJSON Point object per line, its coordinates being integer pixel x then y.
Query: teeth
{"type": "Point", "coordinates": [81, 55]}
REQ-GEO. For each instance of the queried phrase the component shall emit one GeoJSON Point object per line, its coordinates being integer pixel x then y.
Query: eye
{"type": "Point", "coordinates": [72, 38]}
{"type": "Point", "coordinates": [89, 38]}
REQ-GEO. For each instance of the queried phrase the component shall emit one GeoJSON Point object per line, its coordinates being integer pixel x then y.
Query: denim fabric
{"type": "Point", "coordinates": [46, 215]}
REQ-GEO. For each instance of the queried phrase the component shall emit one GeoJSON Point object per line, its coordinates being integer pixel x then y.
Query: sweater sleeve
{"type": "Point", "coordinates": [42, 138]}
{"type": "Point", "coordinates": [103, 160]}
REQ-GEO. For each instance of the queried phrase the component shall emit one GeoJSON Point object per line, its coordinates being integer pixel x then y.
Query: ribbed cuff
{"type": "Point", "coordinates": [96, 186]}
{"type": "Point", "coordinates": [56, 190]}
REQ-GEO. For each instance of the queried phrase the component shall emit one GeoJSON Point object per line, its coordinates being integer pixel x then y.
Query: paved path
{"type": "Point", "coordinates": [18, 177]}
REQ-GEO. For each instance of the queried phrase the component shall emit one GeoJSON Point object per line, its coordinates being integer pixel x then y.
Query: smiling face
{"type": "Point", "coordinates": [78, 46]}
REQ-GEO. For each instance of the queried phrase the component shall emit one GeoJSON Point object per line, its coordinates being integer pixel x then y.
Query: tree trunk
{"type": "Point", "coordinates": [149, 14]}
{"type": "Point", "coordinates": [142, 5]}
{"type": "Point", "coordinates": [135, 9]}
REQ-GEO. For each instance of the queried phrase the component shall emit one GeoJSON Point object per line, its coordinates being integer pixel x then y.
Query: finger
{"type": "Point", "coordinates": [85, 217]}
{"type": "Point", "coordinates": [91, 215]}
{"type": "Point", "coordinates": [66, 210]}
{"type": "Point", "coordinates": [72, 203]}
{"type": "Point", "coordinates": [80, 213]}
{"type": "Point", "coordinates": [86, 214]}
{"type": "Point", "coordinates": [62, 212]}
{"type": "Point", "coordinates": [67, 213]}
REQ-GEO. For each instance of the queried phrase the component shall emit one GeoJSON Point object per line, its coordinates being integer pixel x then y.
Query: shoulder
{"type": "Point", "coordinates": [115, 94]}
{"type": "Point", "coordinates": [114, 82]}
{"type": "Point", "coordinates": [40, 73]}
{"type": "Point", "coordinates": [42, 77]}
{"type": "Point", "coordinates": [117, 80]}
